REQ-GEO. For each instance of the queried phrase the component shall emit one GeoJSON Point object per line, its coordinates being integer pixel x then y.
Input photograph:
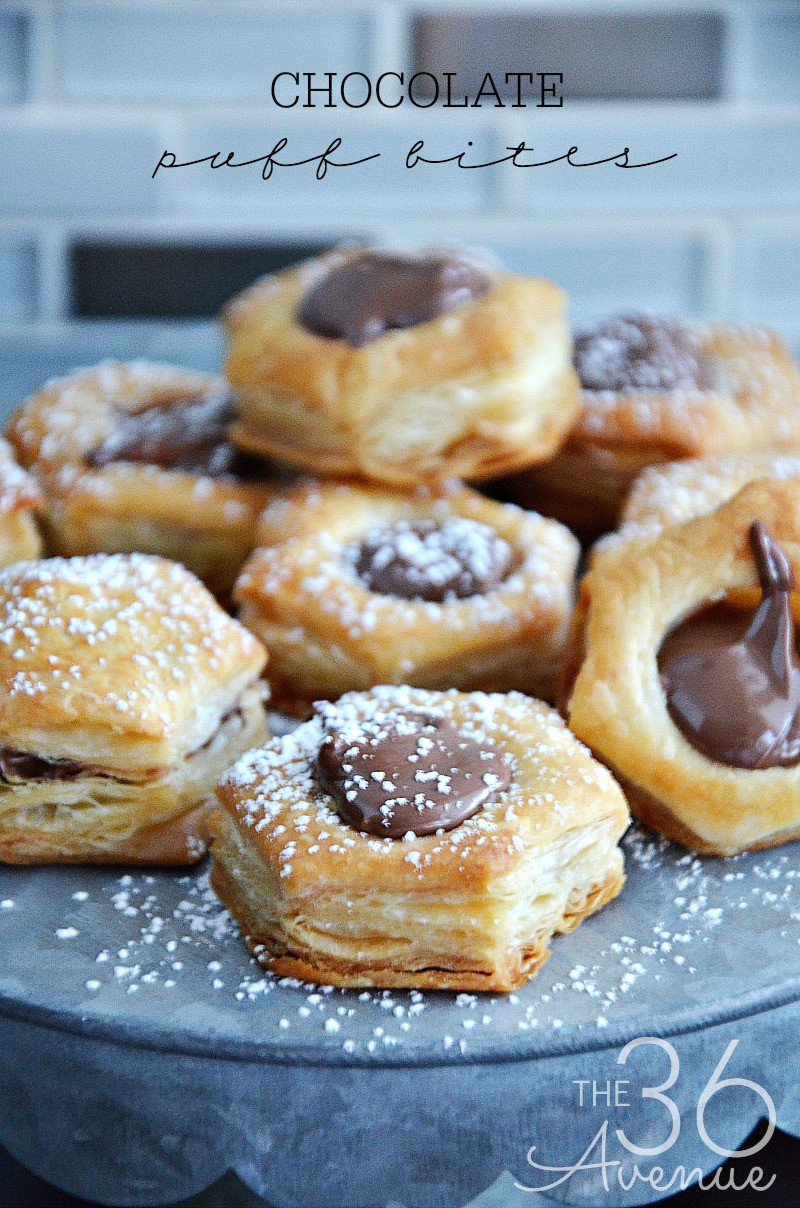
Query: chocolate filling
{"type": "Point", "coordinates": [733, 682]}
{"type": "Point", "coordinates": [188, 435]}
{"type": "Point", "coordinates": [22, 765]}
{"type": "Point", "coordinates": [376, 291]}
{"type": "Point", "coordinates": [411, 772]}
{"type": "Point", "coordinates": [638, 352]}
{"type": "Point", "coordinates": [423, 560]}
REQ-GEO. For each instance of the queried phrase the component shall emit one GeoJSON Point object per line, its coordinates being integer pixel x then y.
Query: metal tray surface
{"type": "Point", "coordinates": [152, 959]}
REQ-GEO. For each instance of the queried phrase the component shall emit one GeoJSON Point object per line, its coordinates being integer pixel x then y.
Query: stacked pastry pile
{"type": "Point", "coordinates": [431, 822]}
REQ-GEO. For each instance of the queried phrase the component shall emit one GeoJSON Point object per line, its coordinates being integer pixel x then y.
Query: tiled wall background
{"type": "Point", "coordinates": [92, 92]}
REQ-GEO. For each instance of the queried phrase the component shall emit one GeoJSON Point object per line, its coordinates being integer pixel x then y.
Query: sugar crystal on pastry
{"type": "Point", "coordinates": [468, 908]}
{"type": "Point", "coordinates": [127, 689]}
{"type": "Point", "coordinates": [678, 490]}
{"type": "Point", "coordinates": [456, 558]}
{"type": "Point", "coordinates": [637, 352]}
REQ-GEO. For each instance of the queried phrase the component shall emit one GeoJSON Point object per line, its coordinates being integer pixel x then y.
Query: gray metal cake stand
{"type": "Point", "coordinates": [143, 1053]}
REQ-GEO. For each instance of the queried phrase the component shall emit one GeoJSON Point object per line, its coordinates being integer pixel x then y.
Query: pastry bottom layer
{"type": "Point", "coordinates": [427, 943]}
{"type": "Point", "coordinates": [659, 817]}
{"type": "Point", "coordinates": [73, 527]}
{"type": "Point", "coordinates": [19, 538]}
{"type": "Point", "coordinates": [103, 819]}
{"type": "Point", "coordinates": [584, 488]}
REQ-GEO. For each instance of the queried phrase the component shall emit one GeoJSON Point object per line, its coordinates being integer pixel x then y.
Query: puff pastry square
{"type": "Point", "coordinates": [472, 909]}
{"type": "Point", "coordinates": [328, 632]}
{"type": "Point", "coordinates": [473, 393]}
{"type": "Point", "coordinates": [633, 596]}
{"type": "Point", "coordinates": [205, 521]}
{"type": "Point", "coordinates": [20, 503]}
{"type": "Point", "coordinates": [125, 691]}
{"type": "Point", "coordinates": [748, 403]}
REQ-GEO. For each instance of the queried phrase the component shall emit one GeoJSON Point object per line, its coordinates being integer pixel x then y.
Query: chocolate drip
{"type": "Point", "coordinates": [424, 560]}
{"type": "Point", "coordinates": [20, 765]}
{"type": "Point", "coordinates": [734, 692]}
{"type": "Point", "coordinates": [408, 772]}
{"type": "Point", "coordinates": [638, 352]}
{"type": "Point", "coordinates": [375, 291]}
{"type": "Point", "coordinates": [188, 435]}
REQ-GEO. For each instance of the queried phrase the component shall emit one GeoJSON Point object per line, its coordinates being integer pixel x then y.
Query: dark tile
{"type": "Point", "coordinates": [609, 55]}
{"type": "Point", "coordinates": [157, 281]}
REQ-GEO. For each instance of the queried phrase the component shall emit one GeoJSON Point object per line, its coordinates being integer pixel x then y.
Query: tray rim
{"type": "Point", "coordinates": [569, 1041]}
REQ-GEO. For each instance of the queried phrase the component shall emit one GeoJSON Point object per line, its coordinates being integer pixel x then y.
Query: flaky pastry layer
{"type": "Point", "coordinates": [104, 819]}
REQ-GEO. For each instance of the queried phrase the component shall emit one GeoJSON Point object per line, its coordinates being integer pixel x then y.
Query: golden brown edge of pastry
{"type": "Point", "coordinates": [273, 954]}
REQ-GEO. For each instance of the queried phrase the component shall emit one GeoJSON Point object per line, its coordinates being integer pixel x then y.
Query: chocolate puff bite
{"type": "Point", "coordinates": [683, 673]}
{"type": "Point", "coordinates": [655, 390]}
{"type": "Point", "coordinates": [402, 367]}
{"type": "Point", "coordinates": [356, 586]}
{"type": "Point", "coordinates": [135, 456]}
{"type": "Point", "coordinates": [412, 838]}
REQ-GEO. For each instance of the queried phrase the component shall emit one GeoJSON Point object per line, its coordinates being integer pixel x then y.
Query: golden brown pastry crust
{"type": "Point", "coordinates": [473, 909]}
{"type": "Point", "coordinates": [750, 406]}
{"type": "Point", "coordinates": [126, 665]}
{"type": "Point", "coordinates": [327, 633]}
{"type": "Point", "coordinates": [124, 662]}
{"type": "Point", "coordinates": [474, 393]}
{"type": "Point", "coordinates": [632, 596]}
{"type": "Point", "coordinates": [20, 502]}
{"type": "Point", "coordinates": [206, 523]}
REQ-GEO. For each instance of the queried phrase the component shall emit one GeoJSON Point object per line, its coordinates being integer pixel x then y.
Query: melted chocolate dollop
{"type": "Point", "coordinates": [189, 435]}
{"type": "Point", "coordinates": [408, 772]}
{"type": "Point", "coordinates": [423, 560]}
{"type": "Point", "coordinates": [376, 291]}
{"type": "Point", "coordinates": [637, 352]}
{"type": "Point", "coordinates": [733, 689]}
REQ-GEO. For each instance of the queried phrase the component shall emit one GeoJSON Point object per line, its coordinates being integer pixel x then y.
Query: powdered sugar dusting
{"type": "Point", "coordinates": [454, 559]}
{"type": "Point", "coordinates": [676, 491]}
{"type": "Point", "coordinates": [135, 634]}
{"type": "Point", "coordinates": [159, 949]}
{"type": "Point", "coordinates": [745, 398]}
